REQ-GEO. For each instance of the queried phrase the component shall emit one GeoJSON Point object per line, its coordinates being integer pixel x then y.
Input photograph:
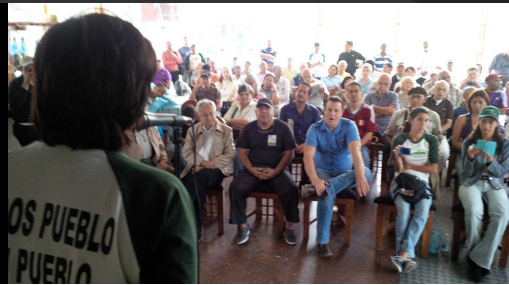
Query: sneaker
{"type": "Point", "coordinates": [324, 250]}
{"type": "Point", "coordinates": [290, 237]}
{"type": "Point", "coordinates": [307, 190]}
{"type": "Point", "coordinates": [398, 262]}
{"type": "Point", "coordinates": [243, 235]}
{"type": "Point", "coordinates": [409, 265]}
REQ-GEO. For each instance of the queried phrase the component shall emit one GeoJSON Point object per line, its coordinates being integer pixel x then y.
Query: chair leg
{"type": "Point", "coordinates": [306, 218]}
{"type": "Point", "coordinates": [259, 209]}
{"type": "Point", "coordinates": [452, 162]}
{"type": "Point", "coordinates": [220, 214]}
{"type": "Point", "coordinates": [348, 218]}
{"type": "Point", "coordinates": [504, 253]}
{"type": "Point", "coordinates": [456, 236]}
{"type": "Point", "coordinates": [426, 235]}
{"type": "Point", "coordinates": [379, 226]}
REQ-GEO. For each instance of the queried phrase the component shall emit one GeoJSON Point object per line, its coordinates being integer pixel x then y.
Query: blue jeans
{"type": "Point", "coordinates": [409, 229]}
{"type": "Point", "coordinates": [338, 180]}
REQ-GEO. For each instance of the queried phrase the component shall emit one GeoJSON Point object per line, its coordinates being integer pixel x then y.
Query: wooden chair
{"type": "Point", "coordinates": [214, 206]}
{"type": "Point", "coordinates": [264, 195]}
{"type": "Point", "coordinates": [346, 199]}
{"type": "Point", "coordinates": [374, 158]}
{"type": "Point", "coordinates": [459, 227]}
{"type": "Point", "coordinates": [386, 205]}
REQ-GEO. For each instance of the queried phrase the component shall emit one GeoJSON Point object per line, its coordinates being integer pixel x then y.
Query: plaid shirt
{"type": "Point", "coordinates": [454, 95]}
{"type": "Point", "coordinates": [390, 97]}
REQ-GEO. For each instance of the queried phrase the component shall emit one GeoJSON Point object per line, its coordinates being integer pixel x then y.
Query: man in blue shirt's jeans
{"type": "Point", "coordinates": [331, 145]}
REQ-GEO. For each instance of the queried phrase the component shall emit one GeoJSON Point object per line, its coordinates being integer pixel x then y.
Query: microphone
{"type": "Point", "coordinates": [152, 119]}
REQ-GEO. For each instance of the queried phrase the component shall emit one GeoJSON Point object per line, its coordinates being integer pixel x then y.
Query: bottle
{"type": "Point", "coordinates": [435, 240]}
{"type": "Point", "coordinates": [445, 243]}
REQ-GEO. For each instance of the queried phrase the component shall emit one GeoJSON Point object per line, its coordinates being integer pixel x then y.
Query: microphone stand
{"type": "Point", "coordinates": [177, 141]}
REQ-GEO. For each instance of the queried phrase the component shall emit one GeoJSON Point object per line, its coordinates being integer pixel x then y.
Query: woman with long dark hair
{"type": "Point", "coordinates": [483, 175]}
{"type": "Point", "coordinates": [416, 157]}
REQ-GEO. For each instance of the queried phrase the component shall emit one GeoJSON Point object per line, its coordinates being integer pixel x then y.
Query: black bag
{"type": "Point", "coordinates": [411, 188]}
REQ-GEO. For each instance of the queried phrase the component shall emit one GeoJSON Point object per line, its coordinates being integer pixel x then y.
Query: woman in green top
{"type": "Point", "coordinates": [421, 162]}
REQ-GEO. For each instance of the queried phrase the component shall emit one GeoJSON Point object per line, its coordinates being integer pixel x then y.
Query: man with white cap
{"type": "Point", "coordinates": [19, 99]}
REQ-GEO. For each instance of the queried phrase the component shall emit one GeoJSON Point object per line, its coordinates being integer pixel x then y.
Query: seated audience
{"type": "Point", "coordinates": [414, 168]}
{"type": "Point", "coordinates": [162, 75]}
{"type": "Point", "coordinates": [331, 146]}
{"type": "Point", "coordinates": [482, 181]}
{"type": "Point", "coordinates": [400, 73]}
{"type": "Point", "coordinates": [434, 127]}
{"type": "Point", "coordinates": [497, 97]}
{"type": "Point", "coordinates": [282, 85]}
{"type": "Point", "coordinates": [302, 114]}
{"type": "Point", "coordinates": [342, 65]}
{"type": "Point", "coordinates": [467, 123]}
{"type": "Point", "coordinates": [407, 83]}
{"type": "Point", "coordinates": [157, 99]}
{"type": "Point", "coordinates": [253, 82]}
{"type": "Point", "coordinates": [454, 95]}
{"type": "Point", "coordinates": [319, 91]}
{"type": "Point", "coordinates": [239, 114]}
{"type": "Point", "coordinates": [227, 86]}
{"type": "Point", "coordinates": [270, 90]}
{"type": "Point", "coordinates": [462, 110]}
{"type": "Point", "coordinates": [363, 117]}
{"type": "Point", "coordinates": [332, 80]}
{"type": "Point", "coordinates": [365, 80]}
{"type": "Point", "coordinates": [265, 149]}
{"type": "Point", "coordinates": [207, 91]}
{"type": "Point", "coordinates": [385, 103]}
{"type": "Point", "coordinates": [209, 152]}
{"type": "Point", "coordinates": [472, 79]}
{"type": "Point", "coordinates": [343, 94]}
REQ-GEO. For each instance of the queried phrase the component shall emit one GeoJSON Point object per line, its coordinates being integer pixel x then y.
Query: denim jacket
{"type": "Point", "coordinates": [473, 170]}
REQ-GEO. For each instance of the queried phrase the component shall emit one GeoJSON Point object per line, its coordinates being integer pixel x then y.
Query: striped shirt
{"type": "Point", "coordinates": [381, 60]}
{"type": "Point", "coordinates": [390, 98]}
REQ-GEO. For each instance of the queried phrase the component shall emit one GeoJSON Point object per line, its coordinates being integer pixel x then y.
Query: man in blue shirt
{"type": "Point", "coordinates": [268, 54]}
{"type": "Point", "coordinates": [331, 145]}
{"type": "Point", "coordinates": [500, 65]}
{"type": "Point", "coordinates": [302, 114]}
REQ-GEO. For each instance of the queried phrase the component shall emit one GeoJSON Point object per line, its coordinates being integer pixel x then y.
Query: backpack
{"type": "Point", "coordinates": [411, 188]}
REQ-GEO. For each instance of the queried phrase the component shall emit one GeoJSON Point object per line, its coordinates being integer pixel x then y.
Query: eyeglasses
{"type": "Point", "coordinates": [416, 97]}
{"type": "Point", "coordinates": [441, 89]}
{"type": "Point", "coordinates": [354, 91]}
{"type": "Point", "coordinates": [383, 84]}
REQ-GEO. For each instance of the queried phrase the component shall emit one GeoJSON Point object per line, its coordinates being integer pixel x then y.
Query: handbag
{"type": "Point", "coordinates": [411, 188]}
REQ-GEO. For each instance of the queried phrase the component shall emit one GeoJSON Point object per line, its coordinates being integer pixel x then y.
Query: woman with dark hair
{"type": "Point", "coordinates": [343, 94]}
{"type": "Point", "coordinates": [465, 124]}
{"type": "Point", "coordinates": [482, 179]}
{"type": "Point", "coordinates": [416, 157]}
{"type": "Point", "coordinates": [78, 174]}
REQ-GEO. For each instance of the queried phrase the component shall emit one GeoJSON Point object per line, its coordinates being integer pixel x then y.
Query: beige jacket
{"type": "Point", "coordinates": [133, 148]}
{"type": "Point", "coordinates": [222, 151]}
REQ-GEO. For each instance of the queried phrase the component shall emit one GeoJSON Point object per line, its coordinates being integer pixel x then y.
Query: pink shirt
{"type": "Point", "coordinates": [171, 62]}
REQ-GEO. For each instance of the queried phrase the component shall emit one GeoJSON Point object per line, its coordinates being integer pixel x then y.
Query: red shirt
{"type": "Point", "coordinates": [364, 120]}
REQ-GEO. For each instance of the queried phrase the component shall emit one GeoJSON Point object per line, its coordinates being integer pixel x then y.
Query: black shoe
{"type": "Point", "coordinates": [243, 235]}
{"type": "Point", "coordinates": [307, 190]}
{"type": "Point", "coordinates": [324, 250]}
{"type": "Point", "coordinates": [476, 272]}
{"type": "Point", "coordinates": [290, 237]}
